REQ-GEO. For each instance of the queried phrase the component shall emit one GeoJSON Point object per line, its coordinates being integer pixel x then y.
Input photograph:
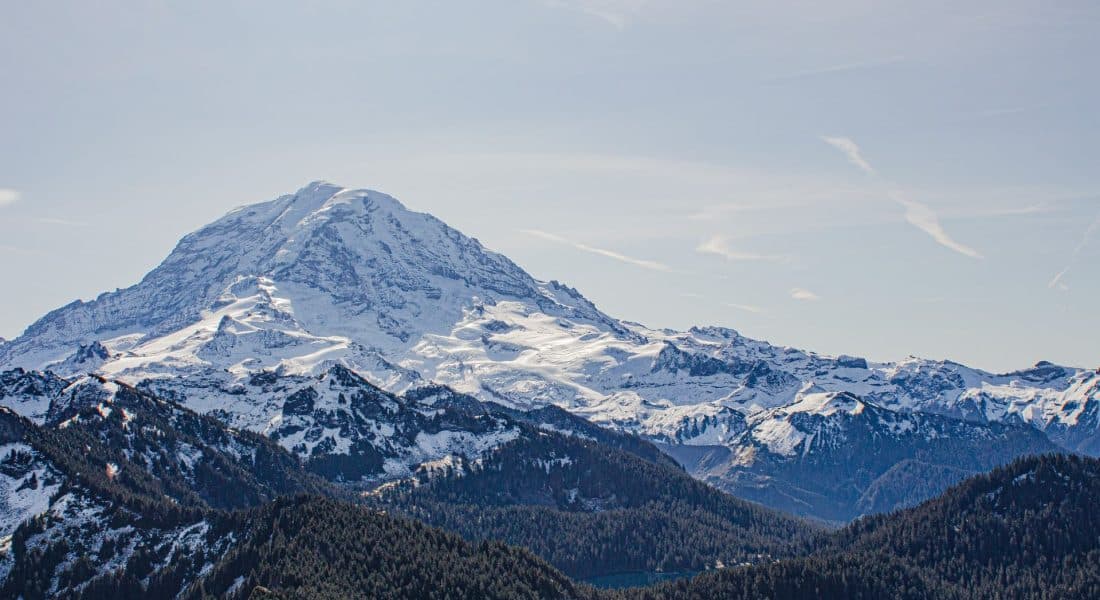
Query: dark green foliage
{"type": "Point", "coordinates": [152, 494]}
{"type": "Point", "coordinates": [592, 510]}
{"type": "Point", "coordinates": [601, 510]}
{"type": "Point", "coordinates": [584, 545]}
{"type": "Point", "coordinates": [1027, 530]}
{"type": "Point", "coordinates": [907, 484]}
{"type": "Point", "coordinates": [842, 577]}
{"type": "Point", "coordinates": [563, 420]}
{"type": "Point", "coordinates": [363, 461]}
{"type": "Point", "coordinates": [587, 506]}
{"type": "Point", "coordinates": [317, 548]}
{"type": "Point", "coordinates": [851, 469]}
{"type": "Point", "coordinates": [145, 438]}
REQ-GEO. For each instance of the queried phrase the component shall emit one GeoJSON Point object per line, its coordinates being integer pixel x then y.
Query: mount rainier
{"type": "Point", "coordinates": [339, 283]}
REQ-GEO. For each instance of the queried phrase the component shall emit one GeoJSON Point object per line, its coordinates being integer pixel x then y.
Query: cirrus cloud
{"type": "Point", "coordinates": [851, 150]}
{"type": "Point", "coordinates": [745, 307]}
{"type": "Point", "coordinates": [720, 246]}
{"type": "Point", "coordinates": [616, 13]}
{"type": "Point", "coordinates": [638, 262]}
{"type": "Point", "coordinates": [1059, 280]}
{"type": "Point", "coordinates": [804, 295]}
{"type": "Point", "coordinates": [917, 214]}
{"type": "Point", "coordinates": [924, 218]}
{"type": "Point", "coordinates": [8, 196]}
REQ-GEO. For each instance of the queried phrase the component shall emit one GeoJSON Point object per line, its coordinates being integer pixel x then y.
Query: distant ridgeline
{"type": "Point", "coordinates": [246, 313]}
{"type": "Point", "coordinates": [328, 395]}
{"type": "Point", "coordinates": [109, 529]}
{"type": "Point", "coordinates": [119, 488]}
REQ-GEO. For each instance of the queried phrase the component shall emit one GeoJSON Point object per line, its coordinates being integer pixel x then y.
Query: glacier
{"type": "Point", "coordinates": [330, 276]}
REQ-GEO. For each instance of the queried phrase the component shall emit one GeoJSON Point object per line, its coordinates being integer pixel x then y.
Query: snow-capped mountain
{"type": "Point", "coordinates": [340, 425]}
{"type": "Point", "coordinates": [114, 475]}
{"type": "Point", "coordinates": [336, 424]}
{"type": "Point", "coordinates": [321, 275]}
{"type": "Point", "coordinates": [835, 456]}
{"type": "Point", "coordinates": [70, 498]}
{"type": "Point", "coordinates": [330, 276]}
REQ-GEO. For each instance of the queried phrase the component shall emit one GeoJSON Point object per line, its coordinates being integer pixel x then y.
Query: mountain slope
{"type": "Point", "coordinates": [330, 276]}
{"type": "Point", "coordinates": [1028, 530]}
{"type": "Point", "coordinates": [835, 457]}
{"type": "Point", "coordinates": [322, 274]}
{"type": "Point", "coordinates": [107, 509]}
{"type": "Point", "coordinates": [1025, 531]}
{"type": "Point", "coordinates": [345, 428]}
{"type": "Point", "coordinates": [75, 512]}
{"type": "Point", "coordinates": [94, 425]}
{"type": "Point", "coordinates": [591, 510]}
{"type": "Point", "coordinates": [554, 477]}
{"type": "Point", "coordinates": [310, 548]}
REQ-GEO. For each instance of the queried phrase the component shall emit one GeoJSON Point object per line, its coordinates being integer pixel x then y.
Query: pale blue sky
{"type": "Point", "coordinates": [875, 178]}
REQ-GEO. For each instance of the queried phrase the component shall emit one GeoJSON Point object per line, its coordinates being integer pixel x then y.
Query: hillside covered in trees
{"type": "Point", "coordinates": [1027, 530]}
{"type": "Point", "coordinates": [592, 510]}
{"type": "Point", "coordinates": [118, 484]}
{"type": "Point", "coordinates": [146, 499]}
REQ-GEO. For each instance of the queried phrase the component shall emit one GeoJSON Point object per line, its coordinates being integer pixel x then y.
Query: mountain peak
{"type": "Point", "coordinates": [319, 186]}
{"type": "Point", "coordinates": [323, 193]}
{"type": "Point", "coordinates": [311, 204]}
{"type": "Point", "coordinates": [328, 270]}
{"type": "Point", "coordinates": [330, 275]}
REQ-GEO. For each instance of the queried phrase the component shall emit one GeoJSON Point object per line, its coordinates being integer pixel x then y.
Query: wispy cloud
{"type": "Point", "coordinates": [851, 150]}
{"type": "Point", "coordinates": [1034, 209]}
{"type": "Point", "coordinates": [8, 196]}
{"type": "Point", "coordinates": [616, 13]}
{"type": "Point", "coordinates": [16, 250]}
{"type": "Point", "coordinates": [639, 262]}
{"type": "Point", "coordinates": [804, 295]}
{"type": "Point", "coordinates": [924, 218]}
{"type": "Point", "coordinates": [1058, 282]}
{"type": "Point", "coordinates": [745, 307]}
{"type": "Point", "coordinates": [990, 113]}
{"type": "Point", "coordinates": [720, 246]}
{"type": "Point", "coordinates": [716, 211]}
{"type": "Point", "coordinates": [841, 68]}
{"type": "Point", "coordinates": [917, 214]}
{"type": "Point", "coordinates": [56, 221]}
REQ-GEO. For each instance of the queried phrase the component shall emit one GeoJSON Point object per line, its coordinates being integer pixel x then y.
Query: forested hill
{"type": "Point", "coordinates": [131, 497]}
{"type": "Point", "coordinates": [117, 486]}
{"type": "Point", "coordinates": [593, 510]}
{"type": "Point", "coordinates": [319, 548]}
{"type": "Point", "coordinates": [1027, 530]}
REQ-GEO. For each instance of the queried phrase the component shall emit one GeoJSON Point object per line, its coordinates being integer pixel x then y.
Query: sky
{"type": "Point", "coordinates": [880, 178]}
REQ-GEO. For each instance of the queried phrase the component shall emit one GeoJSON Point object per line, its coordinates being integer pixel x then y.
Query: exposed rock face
{"type": "Point", "coordinates": [331, 277]}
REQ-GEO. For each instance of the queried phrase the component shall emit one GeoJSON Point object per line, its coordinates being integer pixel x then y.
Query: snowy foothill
{"type": "Point", "coordinates": [334, 276]}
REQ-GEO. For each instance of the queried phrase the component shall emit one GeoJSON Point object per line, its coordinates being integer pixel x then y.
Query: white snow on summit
{"type": "Point", "coordinates": [330, 275]}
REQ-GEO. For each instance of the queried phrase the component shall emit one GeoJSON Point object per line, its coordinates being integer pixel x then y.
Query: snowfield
{"type": "Point", "coordinates": [333, 276]}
